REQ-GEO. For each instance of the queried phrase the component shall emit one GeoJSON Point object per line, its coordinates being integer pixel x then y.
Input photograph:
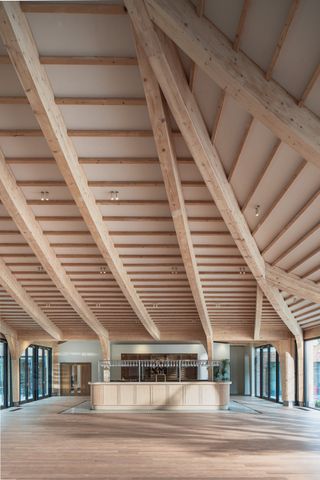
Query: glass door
{"type": "Point", "coordinates": [5, 375]}
{"type": "Point", "coordinates": [267, 373]}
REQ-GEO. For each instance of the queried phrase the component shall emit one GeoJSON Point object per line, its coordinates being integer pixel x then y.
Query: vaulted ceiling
{"type": "Point", "coordinates": [105, 247]}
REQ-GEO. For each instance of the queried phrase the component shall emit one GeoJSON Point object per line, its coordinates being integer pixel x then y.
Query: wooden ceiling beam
{"type": "Point", "coordinates": [238, 76]}
{"type": "Point", "coordinates": [95, 160]}
{"type": "Point", "coordinates": [80, 60]}
{"type": "Point", "coordinates": [22, 298]}
{"type": "Point", "coordinates": [73, 8]}
{"type": "Point", "coordinates": [283, 35]}
{"type": "Point", "coordinates": [294, 285]}
{"type": "Point", "coordinates": [24, 218]}
{"type": "Point", "coordinates": [241, 25]}
{"type": "Point", "coordinates": [160, 122]}
{"type": "Point", "coordinates": [17, 36]}
{"type": "Point", "coordinates": [108, 101]}
{"type": "Point", "coordinates": [169, 73]}
{"type": "Point", "coordinates": [314, 78]}
{"type": "Point", "coordinates": [314, 198]}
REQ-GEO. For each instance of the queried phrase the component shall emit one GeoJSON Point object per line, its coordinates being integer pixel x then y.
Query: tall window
{"type": "Point", "coordinates": [5, 375]}
{"type": "Point", "coordinates": [267, 373]}
{"type": "Point", "coordinates": [312, 371]}
{"type": "Point", "coordinates": [35, 373]}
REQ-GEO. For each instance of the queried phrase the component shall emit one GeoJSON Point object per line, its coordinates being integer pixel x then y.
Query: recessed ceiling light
{"type": "Point", "coordinates": [103, 270]}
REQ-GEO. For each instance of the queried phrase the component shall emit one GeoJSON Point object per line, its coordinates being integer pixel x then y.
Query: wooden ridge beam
{"type": "Point", "coordinates": [235, 73]}
{"type": "Point", "coordinates": [167, 157]}
{"type": "Point", "coordinates": [17, 37]}
{"type": "Point", "coordinates": [294, 285]}
{"type": "Point", "coordinates": [22, 298]}
{"type": "Point", "coordinates": [170, 75]}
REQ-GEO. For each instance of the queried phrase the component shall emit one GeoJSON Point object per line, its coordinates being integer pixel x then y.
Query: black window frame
{"type": "Point", "coordinates": [259, 351]}
{"type": "Point", "coordinates": [35, 374]}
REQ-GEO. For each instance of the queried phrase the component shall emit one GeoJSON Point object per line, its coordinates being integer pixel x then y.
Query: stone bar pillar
{"type": "Point", "coordinates": [105, 347]}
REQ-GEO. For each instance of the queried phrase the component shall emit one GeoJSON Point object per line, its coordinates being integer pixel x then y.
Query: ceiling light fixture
{"type": "Point", "coordinates": [114, 195]}
{"type": "Point", "coordinates": [257, 209]}
{"type": "Point", "coordinates": [44, 196]}
{"type": "Point", "coordinates": [103, 270]}
{"type": "Point", "coordinates": [174, 270]}
{"type": "Point", "coordinates": [242, 271]}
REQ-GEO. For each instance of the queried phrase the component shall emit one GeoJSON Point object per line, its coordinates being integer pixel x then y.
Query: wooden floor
{"type": "Point", "coordinates": [40, 443]}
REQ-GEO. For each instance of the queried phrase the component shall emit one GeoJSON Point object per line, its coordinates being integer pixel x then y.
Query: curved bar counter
{"type": "Point", "coordinates": [160, 396]}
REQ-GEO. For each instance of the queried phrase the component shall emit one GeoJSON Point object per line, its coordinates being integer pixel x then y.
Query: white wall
{"type": "Point", "coordinates": [240, 370]}
{"type": "Point", "coordinates": [78, 351]}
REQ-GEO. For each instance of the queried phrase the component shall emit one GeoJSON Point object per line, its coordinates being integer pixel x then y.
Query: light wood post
{"type": "Point", "coordinates": [55, 371]}
{"type": "Point", "coordinates": [300, 370]}
{"type": "Point", "coordinates": [105, 347]}
{"type": "Point", "coordinates": [287, 366]}
{"type": "Point", "coordinates": [210, 358]}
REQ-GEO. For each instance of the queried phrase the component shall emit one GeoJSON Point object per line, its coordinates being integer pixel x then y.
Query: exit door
{"type": "Point", "coordinates": [75, 378]}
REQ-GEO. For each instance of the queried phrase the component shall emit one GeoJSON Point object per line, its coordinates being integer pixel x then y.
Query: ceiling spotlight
{"type": "Point", "coordinates": [155, 305]}
{"type": "Point", "coordinates": [40, 268]}
{"type": "Point", "coordinates": [242, 271]}
{"type": "Point", "coordinates": [174, 270]}
{"type": "Point", "coordinates": [114, 195]}
{"type": "Point", "coordinates": [103, 270]}
{"type": "Point", "coordinates": [257, 209]}
{"type": "Point", "coordinates": [48, 305]}
{"type": "Point", "coordinates": [44, 196]}
{"type": "Point", "coordinates": [217, 305]}
{"type": "Point", "coordinates": [98, 305]}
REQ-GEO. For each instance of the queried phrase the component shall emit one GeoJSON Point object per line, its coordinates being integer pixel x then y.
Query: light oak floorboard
{"type": "Point", "coordinates": [276, 444]}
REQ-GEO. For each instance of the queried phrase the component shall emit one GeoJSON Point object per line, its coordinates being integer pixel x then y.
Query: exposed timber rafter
{"type": "Point", "coordinates": [17, 37]}
{"type": "Point", "coordinates": [14, 201]}
{"type": "Point", "coordinates": [12, 286]}
{"type": "Point", "coordinates": [290, 283]}
{"type": "Point", "coordinates": [167, 68]}
{"type": "Point", "coordinates": [238, 76]}
{"type": "Point", "coordinates": [168, 162]}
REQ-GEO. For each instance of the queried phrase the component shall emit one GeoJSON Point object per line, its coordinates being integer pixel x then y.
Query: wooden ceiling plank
{"type": "Point", "coordinates": [17, 36]}
{"type": "Point", "coordinates": [168, 71]}
{"type": "Point", "coordinates": [283, 35]}
{"type": "Point", "coordinates": [304, 259]}
{"type": "Point", "coordinates": [200, 4]}
{"type": "Point", "coordinates": [24, 218]}
{"type": "Point", "coordinates": [9, 282]}
{"type": "Point", "coordinates": [160, 122]}
{"type": "Point", "coordinates": [297, 244]}
{"type": "Point", "coordinates": [257, 183]}
{"type": "Point", "coordinates": [298, 173]}
{"type": "Point", "coordinates": [292, 221]}
{"type": "Point", "coordinates": [239, 76]}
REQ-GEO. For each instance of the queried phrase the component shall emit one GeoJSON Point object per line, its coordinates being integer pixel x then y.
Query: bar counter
{"type": "Point", "coordinates": [160, 396]}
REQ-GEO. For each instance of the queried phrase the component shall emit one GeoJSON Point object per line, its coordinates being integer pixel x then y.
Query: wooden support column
{"type": "Point", "coordinates": [105, 347]}
{"type": "Point", "coordinates": [286, 351]}
{"type": "Point", "coordinates": [300, 369]}
{"type": "Point", "coordinates": [210, 358]}
{"type": "Point", "coordinates": [55, 370]}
